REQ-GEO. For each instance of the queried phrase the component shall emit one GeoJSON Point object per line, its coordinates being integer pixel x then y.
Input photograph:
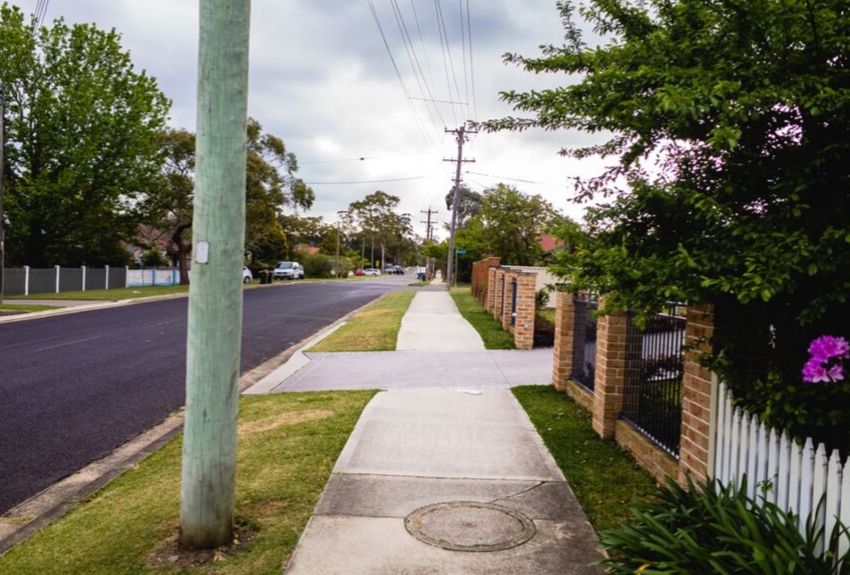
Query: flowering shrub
{"type": "Point", "coordinates": [826, 363]}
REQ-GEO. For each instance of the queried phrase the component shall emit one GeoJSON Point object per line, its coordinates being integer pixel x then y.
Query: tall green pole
{"type": "Point", "coordinates": [215, 294]}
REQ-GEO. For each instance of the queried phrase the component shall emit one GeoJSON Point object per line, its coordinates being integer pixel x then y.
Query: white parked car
{"type": "Point", "coordinates": [288, 271]}
{"type": "Point", "coordinates": [371, 272]}
{"type": "Point", "coordinates": [247, 276]}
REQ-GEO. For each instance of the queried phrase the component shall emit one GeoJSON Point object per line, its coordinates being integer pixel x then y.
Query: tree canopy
{"type": "Point", "coordinates": [271, 187]}
{"type": "Point", "coordinates": [80, 141]}
{"type": "Point", "coordinates": [728, 123]}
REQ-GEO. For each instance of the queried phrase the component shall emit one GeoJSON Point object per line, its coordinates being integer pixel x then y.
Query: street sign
{"type": "Point", "coordinates": [461, 252]}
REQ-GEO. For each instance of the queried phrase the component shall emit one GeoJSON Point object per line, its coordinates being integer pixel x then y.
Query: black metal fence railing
{"type": "Point", "coordinates": [514, 290]}
{"type": "Point", "coordinates": [652, 399]}
{"type": "Point", "coordinates": [584, 340]}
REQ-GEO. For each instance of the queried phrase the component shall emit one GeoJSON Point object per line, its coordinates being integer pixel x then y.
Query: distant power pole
{"type": "Point", "coordinates": [460, 134]}
{"type": "Point", "coordinates": [215, 294]}
{"type": "Point", "coordinates": [429, 211]}
{"type": "Point", "coordinates": [427, 223]}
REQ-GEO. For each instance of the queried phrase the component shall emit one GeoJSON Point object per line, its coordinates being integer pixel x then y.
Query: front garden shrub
{"type": "Point", "coordinates": [711, 528]}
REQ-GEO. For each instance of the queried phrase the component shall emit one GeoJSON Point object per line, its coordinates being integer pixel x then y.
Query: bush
{"type": "Point", "coordinates": [710, 528]}
{"type": "Point", "coordinates": [316, 265]}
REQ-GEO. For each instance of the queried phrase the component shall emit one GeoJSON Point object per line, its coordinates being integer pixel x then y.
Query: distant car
{"type": "Point", "coordinates": [371, 272]}
{"type": "Point", "coordinates": [247, 276]}
{"type": "Point", "coordinates": [288, 271]}
{"type": "Point", "coordinates": [358, 272]}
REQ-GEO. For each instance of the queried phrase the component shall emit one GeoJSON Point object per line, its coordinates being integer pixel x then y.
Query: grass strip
{"type": "Point", "coordinates": [373, 329]}
{"type": "Point", "coordinates": [108, 294]}
{"type": "Point", "coordinates": [488, 328]}
{"type": "Point", "coordinates": [288, 444]}
{"type": "Point", "coordinates": [23, 308]}
{"type": "Point", "coordinates": [605, 479]}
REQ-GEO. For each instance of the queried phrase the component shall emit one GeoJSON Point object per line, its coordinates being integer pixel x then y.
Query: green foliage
{"type": "Point", "coordinates": [80, 142]}
{"type": "Point", "coordinates": [728, 122]}
{"type": "Point", "coordinates": [710, 528]}
{"type": "Point", "coordinates": [153, 258]}
{"type": "Point", "coordinates": [511, 224]}
{"type": "Point", "coordinates": [317, 265]}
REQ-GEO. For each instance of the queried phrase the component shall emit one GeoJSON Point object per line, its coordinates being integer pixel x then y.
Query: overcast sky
{"type": "Point", "coordinates": [322, 79]}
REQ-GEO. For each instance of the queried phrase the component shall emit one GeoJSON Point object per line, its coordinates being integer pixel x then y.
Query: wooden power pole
{"type": "Point", "coordinates": [460, 134]}
{"type": "Point", "coordinates": [215, 294]}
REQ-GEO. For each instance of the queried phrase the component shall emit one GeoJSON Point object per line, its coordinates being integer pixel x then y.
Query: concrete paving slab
{"type": "Point", "coordinates": [380, 545]}
{"type": "Point", "coordinates": [433, 322]}
{"type": "Point", "coordinates": [388, 496]}
{"type": "Point", "coordinates": [418, 448]}
{"type": "Point", "coordinates": [418, 369]}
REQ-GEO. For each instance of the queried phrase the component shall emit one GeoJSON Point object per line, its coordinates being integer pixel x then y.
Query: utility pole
{"type": "Point", "coordinates": [427, 223]}
{"type": "Point", "coordinates": [341, 215]}
{"type": "Point", "coordinates": [215, 295]}
{"type": "Point", "coordinates": [460, 134]}
{"type": "Point", "coordinates": [2, 215]}
{"type": "Point", "coordinates": [429, 211]}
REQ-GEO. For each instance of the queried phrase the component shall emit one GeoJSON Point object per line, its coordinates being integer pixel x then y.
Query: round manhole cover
{"type": "Point", "coordinates": [470, 526]}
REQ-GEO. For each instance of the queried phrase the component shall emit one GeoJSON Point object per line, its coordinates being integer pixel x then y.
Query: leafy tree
{"type": "Point", "coordinates": [378, 221]}
{"type": "Point", "coordinates": [271, 186]}
{"type": "Point", "coordinates": [170, 209]}
{"type": "Point", "coordinates": [512, 222]}
{"type": "Point", "coordinates": [729, 122]}
{"type": "Point", "coordinates": [80, 141]}
{"type": "Point", "coordinates": [468, 205]}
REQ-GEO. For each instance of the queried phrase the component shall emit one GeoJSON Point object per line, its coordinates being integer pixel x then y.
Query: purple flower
{"type": "Point", "coordinates": [827, 347]}
{"type": "Point", "coordinates": [825, 364]}
{"type": "Point", "coordinates": [815, 372]}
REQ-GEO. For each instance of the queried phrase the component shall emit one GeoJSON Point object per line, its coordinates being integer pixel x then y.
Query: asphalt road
{"type": "Point", "coordinates": [74, 387]}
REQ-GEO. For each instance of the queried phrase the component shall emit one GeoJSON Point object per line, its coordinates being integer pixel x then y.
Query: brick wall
{"type": "Point", "coordinates": [499, 293]}
{"type": "Point", "coordinates": [565, 315]}
{"type": "Point", "coordinates": [618, 343]}
{"type": "Point", "coordinates": [610, 376]}
{"type": "Point", "coordinates": [697, 384]}
{"type": "Point", "coordinates": [508, 294]}
{"type": "Point", "coordinates": [480, 277]}
{"type": "Point", "coordinates": [489, 301]}
{"type": "Point", "coordinates": [524, 324]}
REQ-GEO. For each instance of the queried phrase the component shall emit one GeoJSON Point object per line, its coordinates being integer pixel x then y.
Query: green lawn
{"type": "Point", "coordinates": [26, 308]}
{"type": "Point", "coordinates": [288, 444]}
{"type": "Point", "coordinates": [489, 329]}
{"type": "Point", "coordinates": [108, 294]}
{"type": "Point", "coordinates": [373, 329]}
{"type": "Point", "coordinates": [605, 479]}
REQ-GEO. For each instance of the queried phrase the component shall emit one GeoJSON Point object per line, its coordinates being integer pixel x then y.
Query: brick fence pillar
{"type": "Point", "coordinates": [525, 308]}
{"type": "Point", "coordinates": [697, 382]}
{"type": "Point", "coordinates": [490, 302]}
{"type": "Point", "coordinates": [565, 319]}
{"type": "Point", "coordinates": [499, 300]}
{"type": "Point", "coordinates": [610, 376]}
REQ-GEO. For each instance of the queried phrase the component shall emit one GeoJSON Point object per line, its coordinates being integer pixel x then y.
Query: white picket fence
{"type": "Point", "coordinates": [799, 475]}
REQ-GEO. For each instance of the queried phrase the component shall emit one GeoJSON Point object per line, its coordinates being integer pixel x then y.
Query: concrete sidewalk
{"type": "Point", "coordinates": [437, 481]}
{"type": "Point", "coordinates": [444, 473]}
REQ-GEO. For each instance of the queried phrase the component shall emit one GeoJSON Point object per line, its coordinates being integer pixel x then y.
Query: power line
{"type": "Point", "coordinates": [414, 60]}
{"type": "Point", "coordinates": [512, 179]}
{"type": "Point", "coordinates": [444, 43]}
{"type": "Point", "coordinates": [471, 63]}
{"type": "Point", "coordinates": [367, 181]}
{"type": "Point", "coordinates": [398, 74]}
